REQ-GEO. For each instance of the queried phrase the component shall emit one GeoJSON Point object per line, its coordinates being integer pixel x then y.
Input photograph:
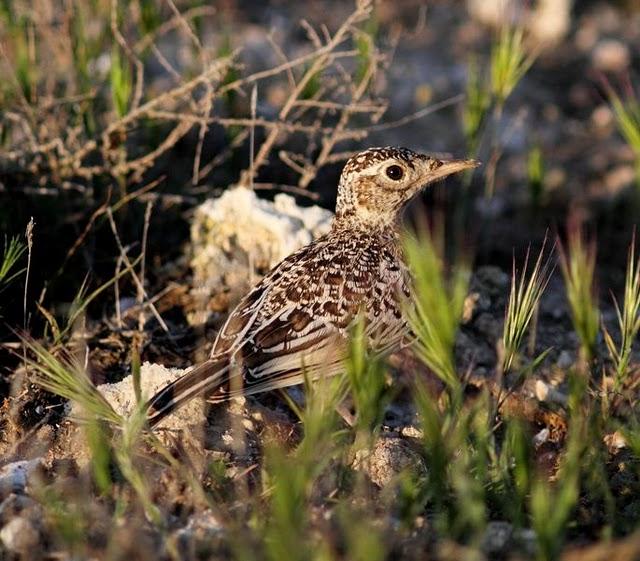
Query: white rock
{"type": "Point", "coordinates": [19, 535]}
{"type": "Point", "coordinates": [411, 431]}
{"type": "Point", "coordinates": [611, 55]}
{"type": "Point", "coordinates": [238, 235]}
{"type": "Point", "coordinates": [546, 392]}
{"type": "Point", "coordinates": [389, 457]}
{"type": "Point", "coordinates": [547, 23]}
{"type": "Point", "coordinates": [615, 441]}
{"type": "Point", "coordinates": [152, 378]}
{"type": "Point", "coordinates": [541, 437]}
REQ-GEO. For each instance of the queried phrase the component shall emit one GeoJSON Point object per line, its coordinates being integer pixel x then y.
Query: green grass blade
{"type": "Point", "coordinates": [524, 297]}
{"type": "Point", "coordinates": [66, 378]}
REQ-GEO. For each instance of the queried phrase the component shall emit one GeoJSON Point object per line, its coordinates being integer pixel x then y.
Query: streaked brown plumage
{"type": "Point", "coordinates": [299, 315]}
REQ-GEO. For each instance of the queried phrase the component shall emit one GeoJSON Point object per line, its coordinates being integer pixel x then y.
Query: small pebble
{"type": "Point", "coordinates": [20, 536]}
{"type": "Point", "coordinates": [619, 178]}
{"type": "Point", "coordinates": [555, 178]}
{"type": "Point", "coordinates": [547, 393]}
{"type": "Point", "coordinates": [541, 437]}
{"type": "Point", "coordinates": [615, 441]}
{"type": "Point", "coordinates": [565, 360]}
{"type": "Point", "coordinates": [389, 457]}
{"type": "Point", "coordinates": [497, 537]}
{"type": "Point", "coordinates": [611, 55]}
{"type": "Point", "coordinates": [602, 116]}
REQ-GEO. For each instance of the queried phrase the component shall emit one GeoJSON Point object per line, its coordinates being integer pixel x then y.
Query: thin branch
{"type": "Point", "coordinates": [143, 261]}
{"type": "Point", "coordinates": [132, 272]}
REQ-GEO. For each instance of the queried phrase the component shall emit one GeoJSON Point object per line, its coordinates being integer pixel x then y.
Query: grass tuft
{"type": "Point", "coordinates": [627, 116]}
{"type": "Point", "coordinates": [13, 251]}
{"type": "Point", "coordinates": [628, 318]}
{"type": "Point", "coordinates": [510, 61]}
{"type": "Point", "coordinates": [476, 108]}
{"type": "Point", "coordinates": [435, 315]}
{"type": "Point", "coordinates": [366, 377]}
{"type": "Point", "coordinates": [121, 82]}
{"type": "Point", "coordinates": [535, 175]}
{"type": "Point", "coordinates": [524, 298]}
{"type": "Point", "coordinates": [552, 503]}
{"type": "Point", "coordinates": [487, 93]}
{"type": "Point", "coordinates": [578, 262]}
{"type": "Point", "coordinates": [290, 476]}
{"type": "Point", "coordinates": [67, 378]}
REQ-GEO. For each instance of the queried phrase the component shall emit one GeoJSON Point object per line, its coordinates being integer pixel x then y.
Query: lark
{"type": "Point", "coordinates": [298, 318]}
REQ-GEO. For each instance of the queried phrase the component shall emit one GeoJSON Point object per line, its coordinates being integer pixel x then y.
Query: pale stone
{"type": "Point", "coordinates": [547, 23]}
{"type": "Point", "coordinates": [154, 377]}
{"type": "Point", "coordinates": [20, 536]}
{"type": "Point", "coordinates": [389, 457]}
{"type": "Point", "coordinates": [611, 55]}
{"type": "Point", "coordinates": [547, 393]}
{"type": "Point", "coordinates": [497, 537]}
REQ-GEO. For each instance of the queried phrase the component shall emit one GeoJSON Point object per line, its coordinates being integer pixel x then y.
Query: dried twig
{"type": "Point", "coordinates": [29, 237]}
{"type": "Point", "coordinates": [134, 276]}
{"type": "Point", "coordinates": [171, 24]}
{"type": "Point", "coordinates": [145, 234]}
{"type": "Point", "coordinates": [322, 58]}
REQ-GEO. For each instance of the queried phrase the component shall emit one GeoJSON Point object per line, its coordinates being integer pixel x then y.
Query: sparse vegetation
{"type": "Point", "coordinates": [578, 263]}
{"type": "Point", "coordinates": [535, 175]}
{"type": "Point", "coordinates": [485, 438]}
{"type": "Point", "coordinates": [487, 91]}
{"type": "Point", "coordinates": [436, 312]}
{"type": "Point", "coordinates": [524, 299]}
{"type": "Point", "coordinates": [627, 117]}
{"type": "Point", "coordinates": [628, 319]}
{"type": "Point", "coordinates": [13, 251]}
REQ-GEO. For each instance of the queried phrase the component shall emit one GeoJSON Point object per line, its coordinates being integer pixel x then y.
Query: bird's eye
{"type": "Point", "coordinates": [395, 172]}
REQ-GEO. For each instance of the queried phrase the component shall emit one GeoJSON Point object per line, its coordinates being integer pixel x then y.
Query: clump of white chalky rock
{"type": "Point", "coordinates": [153, 377]}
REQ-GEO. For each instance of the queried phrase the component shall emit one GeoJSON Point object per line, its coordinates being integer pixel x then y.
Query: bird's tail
{"type": "Point", "coordinates": [203, 379]}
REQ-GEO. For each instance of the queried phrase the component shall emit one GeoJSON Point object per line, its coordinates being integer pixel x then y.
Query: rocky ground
{"type": "Point", "coordinates": [560, 105]}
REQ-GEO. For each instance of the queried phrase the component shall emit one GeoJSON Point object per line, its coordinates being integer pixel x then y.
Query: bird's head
{"type": "Point", "coordinates": [376, 184]}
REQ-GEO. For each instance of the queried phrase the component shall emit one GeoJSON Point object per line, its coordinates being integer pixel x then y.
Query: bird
{"type": "Point", "coordinates": [297, 320]}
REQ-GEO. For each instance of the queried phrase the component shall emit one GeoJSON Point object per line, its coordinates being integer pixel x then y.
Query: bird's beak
{"type": "Point", "coordinates": [448, 167]}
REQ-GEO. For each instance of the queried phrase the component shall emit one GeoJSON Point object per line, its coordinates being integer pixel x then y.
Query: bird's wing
{"type": "Point", "coordinates": [277, 348]}
{"type": "Point", "coordinates": [319, 352]}
{"type": "Point", "coordinates": [298, 317]}
{"type": "Point", "coordinates": [250, 309]}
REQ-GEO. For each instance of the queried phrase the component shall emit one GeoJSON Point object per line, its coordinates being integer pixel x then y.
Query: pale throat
{"type": "Point", "coordinates": [366, 207]}
{"type": "Point", "coordinates": [385, 222]}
